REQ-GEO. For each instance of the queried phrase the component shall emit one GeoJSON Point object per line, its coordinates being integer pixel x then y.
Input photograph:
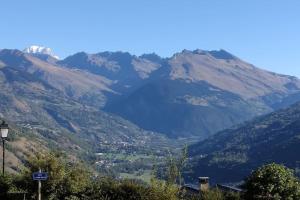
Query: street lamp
{"type": "Point", "coordinates": [4, 131]}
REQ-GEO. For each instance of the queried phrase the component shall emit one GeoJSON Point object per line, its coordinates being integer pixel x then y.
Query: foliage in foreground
{"type": "Point", "coordinates": [69, 181]}
{"type": "Point", "coordinates": [272, 181]}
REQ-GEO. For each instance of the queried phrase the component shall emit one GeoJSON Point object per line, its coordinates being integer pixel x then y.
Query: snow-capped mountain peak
{"type": "Point", "coordinates": [40, 50]}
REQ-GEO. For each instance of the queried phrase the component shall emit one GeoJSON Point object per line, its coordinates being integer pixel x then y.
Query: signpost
{"type": "Point", "coordinates": [40, 176]}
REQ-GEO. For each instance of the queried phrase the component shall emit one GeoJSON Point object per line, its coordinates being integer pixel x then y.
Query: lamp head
{"type": "Point", "coordinates": [4, 129]}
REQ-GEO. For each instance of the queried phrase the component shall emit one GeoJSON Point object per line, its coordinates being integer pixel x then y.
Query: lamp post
{"type": "Point", "coordinates": [4, 131]}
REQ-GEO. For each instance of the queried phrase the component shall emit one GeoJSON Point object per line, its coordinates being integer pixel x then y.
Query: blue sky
{"type": "Point", "coordinates": [265, 33]}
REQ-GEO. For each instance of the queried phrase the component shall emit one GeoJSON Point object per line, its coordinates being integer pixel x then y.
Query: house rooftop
{"type": "Point", "coordinates": [228, 188]}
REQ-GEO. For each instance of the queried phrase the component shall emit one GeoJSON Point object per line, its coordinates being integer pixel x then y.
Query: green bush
{"type": "Point", "coordinates": [66, 181]}
{"type": "Point", "coordinates": [213, 194]}
{"type": "Point", "coordinates": [272, 181]}
{"type": "Point", "coordinates": [107, 188]}
{"type": "Point", "coordinates": [72, 181]}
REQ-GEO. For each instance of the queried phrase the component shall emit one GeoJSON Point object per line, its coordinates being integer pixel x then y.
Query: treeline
{"type": "Point", "coordinates": [73, 181]}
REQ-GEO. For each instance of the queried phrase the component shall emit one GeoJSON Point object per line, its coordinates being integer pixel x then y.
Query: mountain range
{"type": "Point", "coordinates": [94, 103]}
{"type": "Point", "coordinates": [192, 93]}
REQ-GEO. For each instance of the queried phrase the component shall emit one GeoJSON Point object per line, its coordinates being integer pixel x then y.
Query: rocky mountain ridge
{"type": "Point", "coordinates": [192, 93]}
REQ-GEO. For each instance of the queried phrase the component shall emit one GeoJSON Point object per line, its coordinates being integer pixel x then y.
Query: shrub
{"type": "Point", "coordinates": [272, 181]}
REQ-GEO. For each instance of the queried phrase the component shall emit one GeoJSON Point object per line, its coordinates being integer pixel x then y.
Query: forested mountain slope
{"type": "Point", "coordinates": [231, 154]}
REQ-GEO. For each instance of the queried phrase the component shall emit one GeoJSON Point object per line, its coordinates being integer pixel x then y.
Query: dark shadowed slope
{"type": "Point", "coordinates": [125, 71]}
{"type": "Point", "coordinates": [231, 154]}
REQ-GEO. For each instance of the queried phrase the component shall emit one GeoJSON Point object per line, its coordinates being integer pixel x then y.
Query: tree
{"type": "Point", "coordinates": [76, 182]}
{"type": "Point", "coordinates": [66, 180]}
{"type": "Point", "coordinates": [168, 189]}
{"type": "Point", "coordinates": [272, 181]}
{"type": "Point", "coordinates": [175, 166]}
{"type": "Point", "coordinates": [162, 190]}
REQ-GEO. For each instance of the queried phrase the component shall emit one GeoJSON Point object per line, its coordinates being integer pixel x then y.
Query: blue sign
{"type": "Point", "coordinates": [40, 176]}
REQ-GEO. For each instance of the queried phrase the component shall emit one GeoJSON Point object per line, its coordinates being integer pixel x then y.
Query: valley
{"type": "Point", "coordinates": [150, 100]}
{"type": "Point", "coordinates": [122, 114]}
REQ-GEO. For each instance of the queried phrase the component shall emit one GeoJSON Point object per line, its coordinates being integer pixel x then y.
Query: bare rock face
{"type": "Point", "coordinates": [126, 71]}
{"type": "Point", "coordinates": [228, 73]}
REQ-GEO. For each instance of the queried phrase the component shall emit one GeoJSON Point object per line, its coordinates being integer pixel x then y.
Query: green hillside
{"type": "Point", "coordinates": [231, 154]}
